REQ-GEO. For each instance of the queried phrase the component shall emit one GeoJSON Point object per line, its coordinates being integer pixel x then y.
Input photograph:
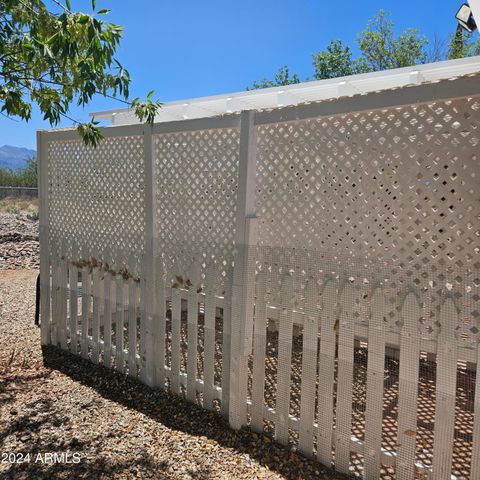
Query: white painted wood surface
{"type": "Point", "coordinates": [375, 386]}
{"type": "Point", "coordinates": [209, 336]}
{"type": "Point", "coordinates": [259, 347]}
{"type": "Point", "coordinates": [96, 311]}
{"type": "Point", "coordinates": [309, 368]}
{"type": "Point", "coordinates": [243, 287]}
{"type": "Point", "coordinates": [109, 301]}
{"type": "Point", "coordinates": [119, 318]}
{"type": "Point", "coordinates": [192, 331]}
{"type": "Point", "coordinates": [86, 304]}
{"type": "Point", "coordinates": [343, 423]}
{"type": "Point", "coordinates": [227, 341]}
{"type": "Point", "coordinates": [73, 299]}
{"type": "Point", "coordinates": [160, 317]}
{"type": "Point", "coordinates": [285, 332]}
{"type": "Point", "coordinates": [408, 389]}
{"type": "Point", "coordinates": [326, 372]}
{"type": "Point", "coordinates": [132, 318]}
{"type": "Point", "coordinates": [445, 397]}
{"type": "Point", "coordinates": [175, 339]}
{"type": "Point", "coordinates": [44, 228]}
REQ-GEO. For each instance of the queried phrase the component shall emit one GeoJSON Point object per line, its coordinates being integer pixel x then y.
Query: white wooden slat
{"type": "Point", "coordinates": [96, 308]}
{"type": "Point", "coordinates": [132, 318]}
{"type": "Point", "coordinates": [343, 423]}
{"type": "Point", "coordinates": [159, 320]}
{"type": "Point", "coordinates": [176, 339]}
{"type": "Point", "coordinates": [73, 286]}
{"type": "Point", "coordinates": [475, 463]}
{"type": "Point", "coordinates": [445, 391]}
{"type": "Point", "coordinates": [86, 302]}
{"type": "Point", "coordinates": [227, 341]}
{"type": "Point", "coordinates": [192, 332]}
{"type": "Point", "coordinates": [285, 332]}
{"type": "Point", "coordinates": [119, 319]}
{"type": "Point", "coordinates": [209, 336]}
{"type": "Point", "coordinates": [63, 294]}
{"type": "Point", "coordinates": [326, 372]}
{"type": "Point", "coordinates": [55, 300]}
{"type": "Point", "coordinates": [145, 303]}
{"type": "Point", "coordinates": [375, 386]}
{"type": "Point", "coordinates": [309, 368]}
{"type": "Point", "coordinates": [107, 312]}
{"type": "Point", "coordinates": [259, 347]}
{"type": "Point", "coordinates": [408, 388]}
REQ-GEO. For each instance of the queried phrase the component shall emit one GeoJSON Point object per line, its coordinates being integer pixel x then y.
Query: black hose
{"type": "Point", "coordinates": [37, 302]}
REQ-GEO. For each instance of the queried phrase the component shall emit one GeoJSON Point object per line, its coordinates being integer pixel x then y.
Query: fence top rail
{"type": "Point", "coordinates": [226, 121]}
{"type": "Point", "coordinates": [312, 91]}
{"type": "Point", "coordinates": [461, 87]}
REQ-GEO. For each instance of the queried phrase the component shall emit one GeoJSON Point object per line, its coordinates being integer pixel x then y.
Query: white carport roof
{"type": "Point", "coordinates": [302, 93]}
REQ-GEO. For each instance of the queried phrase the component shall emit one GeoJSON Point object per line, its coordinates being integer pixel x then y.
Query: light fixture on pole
{"type": "Point", "coordinates": [465, 18]}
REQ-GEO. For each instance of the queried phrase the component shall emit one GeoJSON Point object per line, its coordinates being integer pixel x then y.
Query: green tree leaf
{"type": "Point", "coordinates": [52, 59]}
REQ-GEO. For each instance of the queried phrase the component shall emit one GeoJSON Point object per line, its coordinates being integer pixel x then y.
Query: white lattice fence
{"type": "Point", "coordinates": [313, 271]}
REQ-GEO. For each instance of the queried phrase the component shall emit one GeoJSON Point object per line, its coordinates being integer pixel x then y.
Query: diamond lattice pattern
{"type": "Point", "coordinates": [396, 188]}
{"type": "Point", "coordinates": [196, 193]}
{"type": "Point", "coordinates": [97, 196]}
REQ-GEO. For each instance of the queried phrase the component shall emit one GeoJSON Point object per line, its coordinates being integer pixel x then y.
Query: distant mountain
{"type": "Point", "coordinates": [15, 157]}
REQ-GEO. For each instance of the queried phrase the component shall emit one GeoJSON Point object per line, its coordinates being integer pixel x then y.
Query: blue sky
{"type": "Point", "coordinates": [185, 49]}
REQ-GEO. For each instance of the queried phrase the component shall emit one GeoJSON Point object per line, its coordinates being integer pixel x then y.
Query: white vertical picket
{"type": "Point", "coordinates": [63, 295]}
{"type": "Point", "coordinates": [96, 307]}
{"type": "Point", "coordinates": [343, 423]}
{"type": "Point", "coordinates": [309, 367]}
{"type": "Point", "coordinates": [284, 368]}
{"type": "Point", "coordinates": [259, 346]}
{"type": "Point", "coordinates": [107, 311]}
{"type": "Point", "coordinates": [227, 341]}
{"type": "Point", "coordinates": [209, 336]}
{"type": "Point", "coordinates": [55, 298]}
{"type": "Point", "coordinates": [119, 318]}
{"type": "Point", "coordinates": [445, 396]}
{"type": "Point", "coordinates": [45, 293]}
{"type": "Point", "coordinates": [73, 281]}
{"type": "Point", "coordinates": [192, 331]}
{"type": "Point", "coordinates": [475, 462]}
{"type": "Point", "coordinates": [176, 338]}
{"type": "Point", "coordinates": [375, 385]}
{"type": "Point", "coordinates": [132, 318]}
{"type": "Point", "coordinates": [326, 372]}
{"type": "Point", "coordinates": [408, 388]}
{"type": "Point", "coordinates": [86, 289]}
{"type": "Point", "coordinates": [159, 323]}
{"type": "Point", "coordinates": [145, 310]}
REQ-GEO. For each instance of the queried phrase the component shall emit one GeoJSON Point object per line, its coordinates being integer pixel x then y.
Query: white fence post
{"type": "Point", "coordinates": [244, 273]}
{"type": "Point", "coordinates": [42, 162]}
{"type": "Point", "coordinates": [147, 372]}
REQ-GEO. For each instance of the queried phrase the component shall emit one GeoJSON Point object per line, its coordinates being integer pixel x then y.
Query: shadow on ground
{"type": "Point", "coordinates": [177, 414]}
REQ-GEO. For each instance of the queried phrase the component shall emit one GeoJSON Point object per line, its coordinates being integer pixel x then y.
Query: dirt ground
{"type": "Point", "coordinates": [63, 417]}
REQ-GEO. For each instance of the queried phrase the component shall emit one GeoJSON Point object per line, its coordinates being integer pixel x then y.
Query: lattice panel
{"type": "Point", "coordinates": [196, 184]}
{"type": "Point", "coordinates": [396, 188]}
{"type": "Point", "coordinates": [97, 196]}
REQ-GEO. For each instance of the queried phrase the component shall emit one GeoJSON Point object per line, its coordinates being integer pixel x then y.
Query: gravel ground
{"type": "Point", "coordinates": [18, 241]}
{"type": "Point", "coordinates": [53, 402]}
